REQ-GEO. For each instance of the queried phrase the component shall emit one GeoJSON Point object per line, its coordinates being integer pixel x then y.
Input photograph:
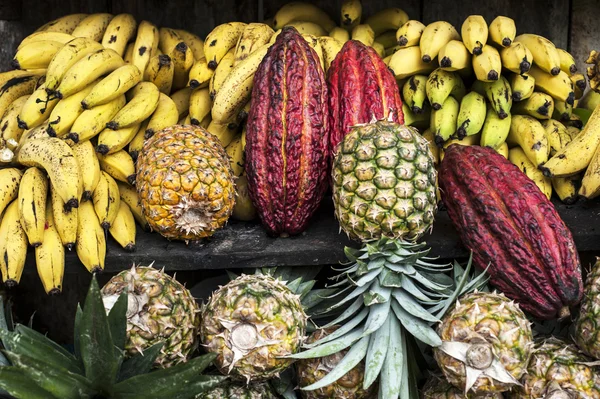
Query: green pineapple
{"type": "Point", "coordinates": [587, 328]}
{"type": "Point", "coordinates": [239, 391]}
{"type": "Point", "coordinates": [42, 369]}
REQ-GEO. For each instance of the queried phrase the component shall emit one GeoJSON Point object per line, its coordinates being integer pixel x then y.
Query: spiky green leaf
{"type": "Point", "coordinates": [378, 347]}
{"type": "Point", "coordinates": [414, 290]}
{"type": "Point", "coordinates": [294, 285]}
{"type": "Point", "coordinates": [355, 293]}
{"type": "Point", "coordinates": [76, 331]}
{"type": "Point", "coordinates": [329, 348]}
{"type": "Point", "coordinates": [394, 364]}
{"type": "Point", "coordinates": [389, 278]}
{"type": "Point", "coordinates": [19, 385]}
{"type": "Point", "coordinates": [347, 327]}
{"type": "Point", "coordinates": [377, 316]}
{"type": "Point", "coordinates": [376, 263]}
{"type": "Point", "coordinates": [349, 312]}
{"type": "Point", "coordinates": [416, 327]}
{"type": "Point", "coordinates": [404, 268]}
{"type": "Point", "coordinates": [367, 278]}
{"type": "Point", "coordinates": [141, 363]}
{"type": "Point", "coordinates": [377, 294]}
{"type": "Point", "coordinates": [427, 283]}
{"type": "Point", "coordinates": [117, 320]}
{"type": "Point", "coordinates": [409, 304]}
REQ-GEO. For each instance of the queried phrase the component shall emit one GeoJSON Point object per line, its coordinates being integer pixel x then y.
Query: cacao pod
{"type": "Point", "coordinates": [361, 89]}
{"type": "Point", "coordinates": [287, 136]}
{"type": "Point", "coordinates": [510, 225]}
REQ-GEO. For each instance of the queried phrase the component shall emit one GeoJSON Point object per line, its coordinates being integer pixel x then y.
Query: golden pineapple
{"type": "Point", "coordinates": [437, 387]}
{"type": "Point", "coordinates": [185, 183]}
{"type": "Point", "coordinates": [587, 328]}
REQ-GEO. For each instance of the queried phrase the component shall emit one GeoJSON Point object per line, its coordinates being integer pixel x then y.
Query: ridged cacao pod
{"type": "Point", "coordinates": [361, 89]}
{"type": "Point", "coordinates": [510, 225]}
{"type": "Point", "coordinates": [287, 136]}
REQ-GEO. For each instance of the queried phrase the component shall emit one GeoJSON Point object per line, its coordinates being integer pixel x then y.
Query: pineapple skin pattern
{"type": "Point", "coordinates": [239, 391]}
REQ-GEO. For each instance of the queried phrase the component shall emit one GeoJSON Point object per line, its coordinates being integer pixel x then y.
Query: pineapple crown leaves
{"type": "Point", "coordinates": [391, 292]}
{"type": "Point", "coordinates": [43, 369]}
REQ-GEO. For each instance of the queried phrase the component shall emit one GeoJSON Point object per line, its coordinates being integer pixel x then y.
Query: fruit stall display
{"type": "Point", "coordinates": [376, 143]}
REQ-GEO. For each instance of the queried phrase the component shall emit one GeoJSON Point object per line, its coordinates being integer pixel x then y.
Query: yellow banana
{"type": "Point", "coordinates": [193, 42]}
{"type": "Point", "coordinates": [530, 135]}
{"type": "Point", "coordinates": [36, 55]}
{"type": "Point", "coordinates": [88, 69]}
{"type": "Point", "coordinates": [378, 47]}
{"type": "Point", "coordinates": [224, 132]}
{"type": "Point", "coordinates": [351, 13]}
{"type": "Point", "coordinates": [471, 116]}
{"type": "Point", "coordinates": [562, 111]}
{"type": "Point", "coordinates": [146, 45]}
{"type": "Point", "coordinates": [387, 39]}
{"type": "Point", "coordinates": [435, 150]}
{"type": "Point", "coordinates": [33, 191]}
{"type": "Point", "coordinates": [454, 56]}
{"type": "Point", "coordinates": [443, 121]}
{"type": "Point", "coordinates": [387, 19]}
{"type": "Point", "coordinates": [9, 186]}
{"type": "Point", "coordinates": [183, 60]}
{"type": "Point", "coordinates": [16, 75]}
{"type": "Point", "coordinates": [544, 52]}
{"type": "Point", "coordinates": [119, 32]}
{"type": "Point", "coordinates": [122, 228]}
{"type": "Point", "coordinates": [487, 65]}
{"type": "Point", "coordinates": [407, 62]}
{"type": "Point", "coordinates": [474, 32]}
{"type": "Point", "coordinates": [244, 209]}
{"type": "Point", "coordinates": [106, 200]}
{"type": "Point", "coordinates": [66, 24]}
{"type": "Point", "coordinates": [313, 42]}
{"type": "Point", "coordinates": [92, 121]}
{"type": "Point", "coordinates": [130, 197]}
{"type": "Point", "coordinates": [200, 105]}
{"type": "Point", "coordinates": [16, 88]}
{"type": "Point", "coordinates": [467, 141]}
{"type": "Point", "coordinates": [200, 74]}
{"type": "Point", "coordinates": [117, 83]}
{"type": "Point", "coordinates": [56, 157]}
{"type": "Point", "coordinates": [590, 184]}
{"type": "Point", "coordinates": [308, 28]}
{"type": "Point", "coordinates": [539, 105]}
{"type": "Point", "coordinates": [440, 85]}
{"type": "Point", "coordinates": [50, 257]}
{"type": "Point", "coordinates": [37, 108]}
{"type": "Point", "coordinates": [421, 120]}
{"type": "Point", "coordinates": [518, 157]}
{"type": "Point", "coordinates": [68, 56]}
{"type": "Point", "coordinates": [499, 94]}
{"type": "Point", "coordinates": [557, 135]}
{"type": "Point", "coordinates": [160, 71]}
{"type": "Point", "coordinates": [236, 156]}
{"type": "Point", "coordinates": [331, 47]}
{"type": "Point", "coordinates": [579, 84]}
{"type": "Point", "coordinates": [9, 126]}
{"type": "Point", "coordinates": [13, 246]}
{"type": "Point", "coordinates": [338, 34]}
{"type": "Point", "coordinates": [566, 188]}
{"type": "Point", "coordinates": [111, 141]}
{"type": "Point", "coordinates": [434, 37]}
{"type": "Point", "coordinates": [502, 31]}
{"type": "Point", "coordinates": [65, 223]}
{"type": "Point", "coordinates": [516, 58]}
{"type": "Point", "coordinates": [93, 26]}
{"type": "Point", "coordinates": [409, 34]}
{"type": "Point", "coordinates": [45, 36]}
{"type": "Point", "coordinates": [165, 115]}
{"type": "Point", "coordinates": [66, 112]}
{"type": "Point", "coordinates": [503, 150]}
{"type": "Point", "coordinates": [364, 34]}
{"type": "Point", "coordinates": [495, 130]}
{"type": "Point", "coordinates": [182, 100]}
{"type": "Point", "coordinates": [414, 93]}
{"type": "Point", "coordinates": [168, 40]}
{"type": "Point", "coordinates": [91, 242]}
{"type": "Point", "coordinates": [119, 166]}
{"type": "Point", "coordinates": [40, 132]}
{"type": "Point", "coordinates": [221, 40]}
{"type": "Point", "coordinates": [137, 143]}
{"type": "Point", "coordinates": [221, 72]}
{"type": "Point", "coordinates": [140, 107]}
{"type": "Point", "coordinates": [522, 86]}
{"type": "Point", "coordinates": [559, 86]}
{"type": "Point", "coordinates": [567, 62]}
{"type": "Point", "coordinates": [299, 11]}
{"type": "Point", "coordinates": [254, 36]}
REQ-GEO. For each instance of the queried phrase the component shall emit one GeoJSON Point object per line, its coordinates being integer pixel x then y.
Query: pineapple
{"type": "Point", "coordinates": [239, 391]}
{"type": "Point", "coordinates": [437, 387]}
{"type": "Point", "coordinates": [251, 324]}
{"type": "Point", "coordinates": [160, 309]}
{"type": "Point", "coordinates": [384, 182]}
{"type": "Point", "coordinates": [559, 371]}
{"type": "Point", "coordinates": [185, 183]}
{"type": "Point", "coordinates": [310, 371]}
{"type": "Point", "coordinates": [487, 342]}
{"type": "Point", "coordinates": [587, 328]}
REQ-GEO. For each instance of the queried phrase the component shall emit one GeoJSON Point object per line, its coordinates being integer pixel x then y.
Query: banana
{"type": "Point", "coordinates": [45, 36]}
{"type": "Point", "coordinates": [236, 156]}
{"type": "Point", "coordinates": [92, 121]}
{"type": "Point", "coordinates": [502, 31]}
{"type": "Point", "coordinates": [351, 13]}
{"type": "Point", "coordinates": [579, 84]}
{"type": "Point", "coordinates": [221, 40]}
{"type": "Point", "coordinates": [420, 121]}
{"type": "Point", "coordinates": [9, 186]}
{"type": "Point", "coordinates": [117, 83]}
{"type": "Point", "coordinates": [65, 223]}
{"type": "Point", "coordinates": [573, 131]}
{"type": "Point", "coordinates": [111, 141]}
{"type": "Point", "coordinates": [579, 153]}
{"type": "Point", "coordinates": [307, 28]}
{"type": "Point", "coordinates": [91, 241]}
{"type": "Point", "coordinates": [495, 130]}
{"type": "Point", "coordinates": [40, 132]}
{"type": "Point", "coordinates": [530, 135]}
{"type": "Point", "coordinates": [193, 42]}
{"type": "Point", "coordinates": [593, 70]}
{"type": "Point", "coordinates": [93, 26]}
{"type": "Point", "coordinates": [182, 101]}
{"type": "Point", "coordinates": [254, 36]}
{"type": "Point", "coordinates": [37, 108]}
{"type": "Point", "coordinates": [559, 86]}
{"type": "Point", "coordinates": [336, 33]}
{"type": "Point", "coordinates": [313, 42]}
{"type": "Point", "coordinates": [237, 88]}
{"type": "Point", "coordinates": [9, 126]}
{"type": "Point", "coordinates": [567, 62]}
{"type": "Point", "coordinates": [387, 39]}
{"type": "Point", "coordinates": [36, 55]}
{"type": "Point", "coordinates": [443, 121]}
{"type": "Point", "coordinates": [414, 92]}
{"type": "Point", "coordinates": [562, 111]}
{"type": "Point", "coordinates": [299, 11]}
{"type": "Point", "coordinates": [503, 150]}
{"type": "Point", "coordinates": [15, 75]}
{"type": "Point", "coordinates": [200, 105]}
{"type": "Point", "coordinates": [119, 32]}
{"type": "Point", "coordinates": [185, 121]}
{"type": "Point", "coordinates": [243, 115]}
{"type": "Point", "coordinates": [66, 112]}
{"type": "Point", "coordinates": [387, 19]}
{"type": "Point", "coordinates": [364, 34]}
{"type": "Point", "coordinates": [331, 47]}
{"type": "Point", "coordinates": [440, 85]}
{"type": "Point", "coordinates": [557, 135]}
{"type": "Point", "coordinates": [13, 246]}
{"type": "Point", "coordinates": [50, 256]}
{"type": "Point", "coordinates": [137, 143]}
{"type": "Point", "coordinates": [590, 184]}
{"type": "Point", "coordinates": [221, 72]}
{"type": "Point", "coordinates": [474, 32]}
{"type": "Point", "coordinates": [200, 74]}
{"type": "Point", "coordinates": [434, 37]}
{"type": "Point", "coordinates": [206, 121]}
{"type": "Point", "coordinates": [409, 34]}
{"type": "Point", "coordinates": [407, 62]}
{"type": "Point", "coordinates": [471, 116]}
{"type": "Point", "coordinates": [106, 200]}
{"type": "Point", "coordinates": [499, 94]}
{"type": "Point", "coordinates": [88, 69]}
{"type": "Point", "coordinates": [183, 60]}
{"type": "Point", "coordinates": [165, 115]}
{"type": "Point", "coordinates": [130, 197]}
{"type": "Point", "coordinates": [17, 87]}
{"type": "Point", "coordinates": [467, 141]}
{"type": "Point", "coordinates": [522, 86]}
{"type": "Point", "coordinates": [66, 57]}
{"type": "Point", "coordinates": [168, 40]}
{"type": "Point", "coordinates": [589, 101]}
{"type": "Point", "coordinates": [516, 58]}
{"type": "Point", "coordinates": [122, 228]}
{"type": "Point", "coordinates": [566, 188]}
{"type": "Point", "coordinates": [574, 120]}
{"type": "Point", "coordinates": [435, 150]}
{"type": "Point", "coordinates": [487, 65]}
{"type": "Point", "coordinates": [454, 56]}
{"type": "Point", "coordinates": [141, 106]}
{"type": "Point", "coordinates": [33, 191]}
{"type": "Point", "coordinates": [539, 105]}
{"type": "Point", "coordinates": [518, 157]}
{"type": "Point", "coordinates": [146, 45]}
{"type": "Point", "coordinates": [119, 166]}
{"type": "Point", "coordinates": [224, 132]}
{"type": "Point", "coordinates": [160, 71]}
{"type": "Point", "coordinates": [545, 55]}
{"type": "Point", "coordinates": [66, 24]}
{"type": "Point", "coordinates": [57, 159]}
{"type": "Point", "coordinates": [378, 47]}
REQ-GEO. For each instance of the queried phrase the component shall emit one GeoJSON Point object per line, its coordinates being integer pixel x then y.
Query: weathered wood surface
{"type": "Point", "coordinates": [584, 35]}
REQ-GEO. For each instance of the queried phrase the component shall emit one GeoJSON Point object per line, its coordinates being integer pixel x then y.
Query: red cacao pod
{"type": "Point", "coordinates": [287, 136]}
{"type": "Point", "coordinates": [361, 88]}
{"type": "Point", "coordinates": [510, 225]}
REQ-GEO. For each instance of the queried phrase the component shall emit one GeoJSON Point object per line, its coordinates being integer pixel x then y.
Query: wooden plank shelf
{"type": "Point", "coordinates": [246, 245]}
